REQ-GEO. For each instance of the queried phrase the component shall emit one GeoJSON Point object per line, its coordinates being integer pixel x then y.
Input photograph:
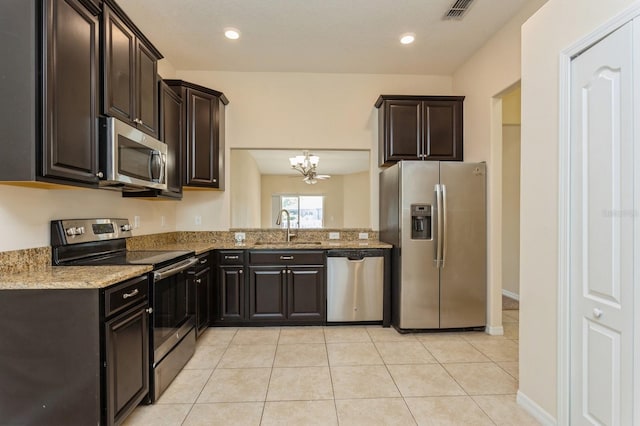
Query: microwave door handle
{"type": "Point", "coordinates": [163, 166]}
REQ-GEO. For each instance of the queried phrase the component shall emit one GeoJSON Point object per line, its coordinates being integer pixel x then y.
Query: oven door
{"type": "Point", "coordinates": [173, 310]}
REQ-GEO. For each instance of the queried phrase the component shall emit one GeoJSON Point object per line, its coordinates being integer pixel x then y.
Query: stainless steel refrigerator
{"type": "Point", "coordinates": [434, 214]}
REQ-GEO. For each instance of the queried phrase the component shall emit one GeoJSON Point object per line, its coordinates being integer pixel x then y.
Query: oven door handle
{"type": "Point", "coordinates": [174, 269]}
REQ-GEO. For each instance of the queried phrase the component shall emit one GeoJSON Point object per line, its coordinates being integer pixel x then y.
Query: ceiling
{"type": "Point", "coordinates": [323, 36]}
{"type": "Point", "coordinates": [276, 161]}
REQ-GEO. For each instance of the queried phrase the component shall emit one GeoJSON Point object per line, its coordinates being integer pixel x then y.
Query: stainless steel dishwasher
{"type": "Point", "coordinates": [355, 285]}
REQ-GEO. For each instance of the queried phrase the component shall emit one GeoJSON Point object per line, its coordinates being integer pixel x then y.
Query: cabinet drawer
{"type": "Point", "coordinates": [297, 257]}
{"type": "Point", "coordinates": [231, 257]}
{"type": "Point", "coordinates": [124, 295]}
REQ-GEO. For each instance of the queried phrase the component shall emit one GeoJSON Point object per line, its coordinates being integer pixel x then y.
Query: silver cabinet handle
{"type": "Point", "coordinates": [284, 271]}
{"type": "Point", "coordinates": [100, 175]}
{"type": "Point", "coordinates": [240, 271]}
{"type": "Point", "coordinates": [232, 257]}
{"type": "Point", "coordinates": [131, 294]}
{"type": "Point", "coordinates": [149, 310]}
{"type": "Point", "coordinates": [203, 261]}
{"type": "Point", "coordinates": [288, 271]}
{"type": "Point", "coordinates": [198, 281]}
{"type": "Point", "coordinates": [597, 313]}
{"type": "Point", "coordinates": [286, 257]}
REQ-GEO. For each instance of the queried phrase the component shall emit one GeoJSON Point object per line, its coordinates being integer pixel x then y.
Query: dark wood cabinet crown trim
{"type": "Point", "coordinates": [383, 98]}
{"type": "Point", "coordinates": [188, 85]}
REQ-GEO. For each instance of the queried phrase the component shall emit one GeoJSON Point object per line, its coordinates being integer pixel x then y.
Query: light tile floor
{"type": "Point", "coordinates": [346, 376]}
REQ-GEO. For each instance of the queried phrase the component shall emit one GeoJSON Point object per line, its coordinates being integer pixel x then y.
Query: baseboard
{"type": "Point", "coordinates": [494, 331]}
{"type": "Point", "coordinates": [535, 410]}
{"type": "Point", "coordinates": [511, 295]}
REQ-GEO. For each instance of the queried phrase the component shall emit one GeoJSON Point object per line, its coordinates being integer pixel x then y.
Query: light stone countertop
{"type": "Point", "coordinates": [71, 277]}
{"type": "Point", "coordinates": [202, 247]}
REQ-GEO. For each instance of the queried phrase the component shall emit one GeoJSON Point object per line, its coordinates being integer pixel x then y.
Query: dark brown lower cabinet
{"type": "Point", "coordinates": [231, 293]}
{"type": "Point", "coordinates": [202, 281]}
{"type": "Point", "coordinates": [73, 357]}
{"type": "Point", "coordinates": [127, 362]}
{"type": "Point", "coordinates": [305, 293]}
{"type": "Point", "coordinates": [267, 293]}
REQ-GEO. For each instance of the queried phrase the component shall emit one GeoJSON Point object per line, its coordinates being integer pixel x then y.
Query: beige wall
{"type": "Point", "coordinates": [25, 212]}
{"type": "Point", "coordinates": [245, 190]}
{"type": "Point", "coordinates": [493, 68]}
{"type": "Point", "coordinates": [300, 111]}
{"type": "Point", "coordinates": [511, 109]}
{"type": "Point", "coordinates": [356, 200]}
{"type": "Point", "coordinates": [332, 189]}
{"type": "Point", "coordinates": [511, 206]}
{"type": "Point", "coordinates": [558, 25]}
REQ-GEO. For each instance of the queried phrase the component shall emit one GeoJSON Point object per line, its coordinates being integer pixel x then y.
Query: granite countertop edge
{"type": "Point", "coordinates": [203, 247]}
{"type": "Point", "coordinates": [71, 277]}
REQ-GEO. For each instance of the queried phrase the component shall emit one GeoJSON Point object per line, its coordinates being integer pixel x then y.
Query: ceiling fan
{"type": "Point", "coordinates": [306, 164]}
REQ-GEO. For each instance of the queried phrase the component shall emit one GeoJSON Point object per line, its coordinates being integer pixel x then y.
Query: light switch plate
{"type": "Point", "coordinates": [363, 235]}
{"type": "Point", "coordinates": [334, 235]}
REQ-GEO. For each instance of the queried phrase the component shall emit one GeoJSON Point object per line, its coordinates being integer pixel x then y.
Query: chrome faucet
{"type": "Point", "coordinates": [279, 221]}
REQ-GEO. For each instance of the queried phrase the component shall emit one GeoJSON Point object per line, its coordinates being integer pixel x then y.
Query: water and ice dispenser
{"type": "Point", "coordinates": [420, 221]}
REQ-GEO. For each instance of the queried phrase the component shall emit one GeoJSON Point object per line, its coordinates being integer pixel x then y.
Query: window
{"type": "Point", "coordinates": [306, 211]}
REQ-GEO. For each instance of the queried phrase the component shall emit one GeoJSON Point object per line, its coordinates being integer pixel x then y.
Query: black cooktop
{"type": "Point", "coordinates": [143, 257]}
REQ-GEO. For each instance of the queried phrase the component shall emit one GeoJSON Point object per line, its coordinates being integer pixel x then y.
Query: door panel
{"type": "Point", "coordinates": [147, 81]}
{"type": "Point", "coordinates": [463, 277]}
{"type": "Point", "coordinates": [419, 274]}
{"type": "Point", "coordinates": [231, 293]}
{"type": "Point", "coordinates": [267, 292]}
{"type": "Point", "coordinates": [403, 130]}
{"type": "Point", "coordinates": [601, 226]}
{"type": "Point", "coordinates": [119, 48]}
{"type": "Point", "coordinates": [305, 293]}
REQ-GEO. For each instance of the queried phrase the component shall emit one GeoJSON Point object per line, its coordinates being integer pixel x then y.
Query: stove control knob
{"type": "Point", "coordinates": [126, 227]}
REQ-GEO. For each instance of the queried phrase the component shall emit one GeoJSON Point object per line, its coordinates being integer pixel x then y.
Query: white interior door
{"type": "Point", "coordinates": [602, 232]}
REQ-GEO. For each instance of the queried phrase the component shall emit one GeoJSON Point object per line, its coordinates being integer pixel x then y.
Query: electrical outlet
{"type": "Point", "coordinates": [198, 220]}
{"type": "Point", "coordinates": [363, 235]}
{"type": "Point", "coordinates": [136, 222]}
{"type": "Point", "coordinates": [239, 237]}
{"type": "Point", "coordinates": [334, 235]}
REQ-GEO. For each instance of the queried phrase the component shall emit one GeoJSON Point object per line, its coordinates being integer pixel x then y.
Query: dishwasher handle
{"type": "Point", "coordinates": [355, 259]}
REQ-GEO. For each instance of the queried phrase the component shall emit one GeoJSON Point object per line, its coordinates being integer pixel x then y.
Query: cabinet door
{"type": "Point", "coordinates": [267, 287]}
{"type": "Point", "coordinates": [401, 124]}
{"type": "Point", "coordinates": [305, 293]}
{"type": "Point", "coordinates": [231, 297]}
{"type": "Point", "coordinates": [119, 72]}
{"type": "Point", "coordinates": [203, 298]}
{"type": "Point", "coordinates": [146, 90]}
{"type": "Point", "coordinates": [127, 362]}
{"type": "Point", "coordinates": [442, 130]}
{"type": "Point", "coordinates": [71, 92]}
{"type": "Point", "coordinates": [171, 133]}
{"type": "Point", "coordinates": [202, 140]}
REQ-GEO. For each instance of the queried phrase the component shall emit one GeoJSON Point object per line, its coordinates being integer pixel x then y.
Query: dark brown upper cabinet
{"type": "Point", "coordinates": [50, 100]}
{"type": "Point", "coordinates": [203, 116]}
{"type": "Point", "coordinates": [419, 128]}
{"type": "Point", "coordinates": [130, 72]}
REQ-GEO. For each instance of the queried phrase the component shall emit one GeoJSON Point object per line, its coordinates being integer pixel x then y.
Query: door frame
{"type": "Point", "coordinates": [564, 164]}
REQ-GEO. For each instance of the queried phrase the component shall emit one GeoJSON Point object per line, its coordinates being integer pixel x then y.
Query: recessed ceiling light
{"type": "Point", "coordinates": [231, 33]}
{"type": "Point", "coordinates": [407, 38]}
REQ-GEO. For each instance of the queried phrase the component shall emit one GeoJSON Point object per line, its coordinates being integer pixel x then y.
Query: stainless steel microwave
{"type": "Point", "coordinates": [129, 158]}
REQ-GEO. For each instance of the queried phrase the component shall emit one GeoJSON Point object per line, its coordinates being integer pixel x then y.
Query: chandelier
{"type": "Point", "coordinates": [306, 164]}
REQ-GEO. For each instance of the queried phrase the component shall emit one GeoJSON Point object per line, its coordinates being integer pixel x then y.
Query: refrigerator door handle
{"type": "Point", "coordinates": [443, 189]}
{"type": "Point", "coordinates": [438, 238]}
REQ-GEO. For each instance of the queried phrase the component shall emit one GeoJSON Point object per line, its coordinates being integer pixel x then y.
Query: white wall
{"type": "Point", "coordinates": [493, 69]}
{"type": "Point", "coordinates": [511, 208]}
{"type": "Point", "coordinates": [244, 189]}
{"type": "Point", "coordinates": [559, 24]}
{"type": "Point", "coordinates": [25, 212]}
{"type": "Point", "coordinates": [300, 111]}
{"type": "Point", "coordinates": [356, 200]}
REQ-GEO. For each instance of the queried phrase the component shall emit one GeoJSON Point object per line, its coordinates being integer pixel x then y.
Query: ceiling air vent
{"type": "Point", "coordinates": [458, 9]}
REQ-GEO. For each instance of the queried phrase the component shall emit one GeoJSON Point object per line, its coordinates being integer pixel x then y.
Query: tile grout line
{"type": "Point", "coordinates": [273, 362]}
{"type": "Point", "coordinates": [333, 390]}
